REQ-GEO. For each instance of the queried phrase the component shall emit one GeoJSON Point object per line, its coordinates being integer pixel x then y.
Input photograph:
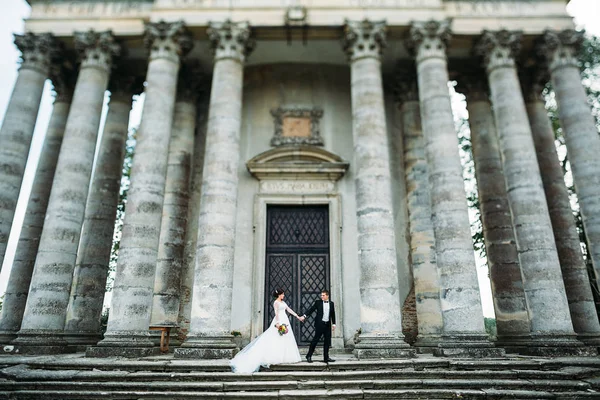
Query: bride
{"type": "Point", "coordinates": [270, 347]}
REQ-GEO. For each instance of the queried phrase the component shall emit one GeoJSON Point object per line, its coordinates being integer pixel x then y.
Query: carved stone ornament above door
{"type": "Point", "coordinates": [297, 125]}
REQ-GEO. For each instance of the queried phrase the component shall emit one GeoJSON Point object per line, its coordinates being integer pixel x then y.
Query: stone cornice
{"type": "Point", "coordinates": [559, 49]}
{"type": "Point", "coordinates": [429, 39]}
{"type": "Point", "coordinates": [364, 39]}
{"type": "Point", "coordinates": [37, 51]}
{"type": "Point", "coordinates": [498, 49]}
{"type": "Point", "coordinates": [230, 40]}
{"type": "Point", "coordinates": [297, 163]}
{"type": "Point", "coordinates": [168, 40]}
{"type": "Point", "coordinates": [96, 49]}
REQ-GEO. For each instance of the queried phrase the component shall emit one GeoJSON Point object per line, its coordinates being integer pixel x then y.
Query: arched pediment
{"type": "Point", "coordinates": [297, 162]}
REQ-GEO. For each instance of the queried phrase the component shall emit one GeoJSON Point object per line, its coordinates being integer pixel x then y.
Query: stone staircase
{"type": "Point", "coordinates": [76, 377]}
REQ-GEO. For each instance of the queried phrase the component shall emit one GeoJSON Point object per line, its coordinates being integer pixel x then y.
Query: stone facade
{"type": "Point", "coordinates": [271, 110]}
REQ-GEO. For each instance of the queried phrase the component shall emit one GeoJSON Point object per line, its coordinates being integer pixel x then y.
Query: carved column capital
{"type": "Point", "coordinates": [123, 85]}
{"type": "Point", "coordinates": [191, 84]}
{"type": "Point", "coordinates": [37, 51]}
{"type": "Point", "coordinates": [498, 49]}
{"type": "Point", "coordinates": [97, 49]}
{"type": "Point", "coordinates": [405, 85]}
{"type": "Point", "coordinates": [474, 85]}
{"type": "Point", "coordinates": [559, 49]}
{"type": "Point", "coordinates": [63, 79]}
{"type": "Point", "coordinates": [428, 39]}
{"type": "Point", "coordinates": [230, 40]}
{"type": "Point", "coordinates": [168, 40]}
{"type": "Point", "coordinates": [533, 81]}
{"type": "Point", "coordinates": [364, 39]}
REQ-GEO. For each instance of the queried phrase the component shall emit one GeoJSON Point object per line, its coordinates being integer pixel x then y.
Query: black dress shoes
{"type": "Point", "coordinates": [329, 360]}
{"type": "Point", "coordinates": [309, 359]}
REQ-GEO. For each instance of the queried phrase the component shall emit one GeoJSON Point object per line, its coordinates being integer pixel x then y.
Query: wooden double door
{"type": "Point", "coordinates": [297, 261]}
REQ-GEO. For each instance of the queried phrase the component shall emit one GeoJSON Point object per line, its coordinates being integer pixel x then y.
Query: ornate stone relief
{"type": "Point", "coordinates": [230, 40]}
{"type": "Point", "coordinates": [170, 40]}
{"type": "Point", "coordinates": [37, 51]}
{"type": "Point", "coordinates": [97, 49]}
{"type": "Point", "coordinates": [559, 49]}
{"type": "Point", "coordinates": [364, 39]}
{"type": "Point", "coordinates": [499, 49]}
{"type": "Point", "coordinates": [428, 39]}
{"type": "Point", "coordinates": [297, 125]}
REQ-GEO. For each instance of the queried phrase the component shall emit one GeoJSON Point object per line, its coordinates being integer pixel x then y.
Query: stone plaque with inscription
{"type": "Point", "coordinates": [296, 125]}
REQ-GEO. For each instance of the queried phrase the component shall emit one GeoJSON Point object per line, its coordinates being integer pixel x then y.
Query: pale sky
{"type": "Point", "coordinates": [12, 13]}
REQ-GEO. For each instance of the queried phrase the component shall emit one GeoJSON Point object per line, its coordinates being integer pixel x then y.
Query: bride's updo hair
{"type": "Point", "coordinates": [277, 292]}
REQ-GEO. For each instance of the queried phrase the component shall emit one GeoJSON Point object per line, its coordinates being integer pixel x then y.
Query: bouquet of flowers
{"type": "Point", "coordinates": [283, 329]}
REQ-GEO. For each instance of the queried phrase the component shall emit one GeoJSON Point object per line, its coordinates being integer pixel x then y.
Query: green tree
{"type": "Point", "coordinates": [125, 182]}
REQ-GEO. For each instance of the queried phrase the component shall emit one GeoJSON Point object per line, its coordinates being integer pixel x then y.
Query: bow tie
{"type": "Point", "coordinates": [325, 302]}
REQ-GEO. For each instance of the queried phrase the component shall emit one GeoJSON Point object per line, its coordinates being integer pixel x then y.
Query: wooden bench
{"type": "Point", "coordinates": [165, 336]}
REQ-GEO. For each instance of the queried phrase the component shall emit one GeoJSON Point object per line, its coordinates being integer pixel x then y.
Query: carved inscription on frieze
{"type": "Point", "coordinates": [296, 187]}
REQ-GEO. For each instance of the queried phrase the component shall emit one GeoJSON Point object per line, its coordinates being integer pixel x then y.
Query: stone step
{"type": "Point", "coordinates": [409, 394]}
{"type": "Point", "coordinates": [237, 386]}
{"type": "Point", "coordinates": [22, 372]}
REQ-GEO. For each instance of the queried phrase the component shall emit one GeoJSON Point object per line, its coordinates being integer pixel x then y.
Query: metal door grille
{"type": "Point", "coordinates": [297, 261]}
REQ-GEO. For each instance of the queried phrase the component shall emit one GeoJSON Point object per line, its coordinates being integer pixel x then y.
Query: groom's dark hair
{"type": "Point", "coordinates": [325, 291]}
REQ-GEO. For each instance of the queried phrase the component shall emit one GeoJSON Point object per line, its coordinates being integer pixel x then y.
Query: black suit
{"type": "Point", "coordinates": [321, 327]}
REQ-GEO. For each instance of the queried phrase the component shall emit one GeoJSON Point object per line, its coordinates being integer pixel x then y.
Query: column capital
{"type": "Point", "coordinates": [499, 48]}
{"type": "Point", "coordinates": [533, 80]}
{"type": "Point", "coordinates": [123, 85]}
{"type": "Point", "coordinates": [405, 85]}
{"type": "Point", "coordinates": [63, 79]}
{"type": "Point", "coordinates": [428, 39]}
{"type": "Point", "coordinates": [364, 39]}
{"type": "Point", "coordinates": [97, 49]}
{"type": "Point", "coordinates": [168, 40]}
{"type": "Point", "coordinates": [230, 40]}
{"type": "Point", "coordinates": [191, 83]}
{"type": "Point", "coordinates": [37, 51]}
{"type": "Point", "coordinates": [559, 49]}
{"type": "Point", "coordinates": [474, 85]}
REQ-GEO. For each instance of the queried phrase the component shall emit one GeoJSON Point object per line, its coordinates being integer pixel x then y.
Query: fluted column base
{"type": "Point", "coordinates": [468, 346]}
{"type": "Point", "coordinates": [556, 346]}
{"type": "Point", "coordinates": [41, 342]}
{"type": "Point", "coordinates": [126, 344]}
{"type": "Point", "coordinates": [207, 347]}
{"type": "Point", "coordinates": [382, 346]}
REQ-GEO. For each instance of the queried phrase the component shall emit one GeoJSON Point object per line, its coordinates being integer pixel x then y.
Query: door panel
{"type": "Point", "coordinates": [297, 261]}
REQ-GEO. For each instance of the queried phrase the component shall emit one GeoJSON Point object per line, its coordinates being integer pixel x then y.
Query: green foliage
{"type": "Point", "coordinates": [125, 182]}
{"type": "Point", "coordinates": [1, 302]}
{"type": "Point", "coordinates": [490, 326]}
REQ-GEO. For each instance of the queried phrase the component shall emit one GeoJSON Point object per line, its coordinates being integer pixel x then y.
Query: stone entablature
{"type": "Point", "coordinates": [63, 17]}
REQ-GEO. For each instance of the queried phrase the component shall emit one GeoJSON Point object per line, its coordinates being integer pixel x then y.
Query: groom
{"type": "Point", "coordinates": [324, 324]}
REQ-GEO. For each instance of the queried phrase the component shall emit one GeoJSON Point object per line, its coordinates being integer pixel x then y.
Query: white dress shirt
{"type": "Point", "coordinates": [325, 311]}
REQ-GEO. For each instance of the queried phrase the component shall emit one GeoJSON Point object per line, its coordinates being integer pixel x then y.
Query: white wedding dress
{"type": "Point", "coordinates": [269, 347]}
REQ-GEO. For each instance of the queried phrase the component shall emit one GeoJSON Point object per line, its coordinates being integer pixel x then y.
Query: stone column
{"type": "Point", "coordinates": [464, 332]}
{"type": "Point", "coordinates": [381, 333]}
{"type": "Point", "coordinates": [580, 131]}
{"type": "Point", "coordinates": [82, 325]}
{"type": "Point", "coordinates": [191, 233]}
{"type": "Point", "coordinates": [17, 289]}
{"type": "Point", "coordinates": [129, 318]}
{"type": "Point", "coordinates": [418, 197]}
{"type": "Point", "coordinates": [512, 319]}
{"type": "Point", "coordinates": [19, 121]}
{"type": "Point", "coordinates": [167, 282]}
{"type": "Point", "coordinates": [566, 237]}
{"type": "Point", "coordinates": [213, 277]}
{"type": "Point", "coordinates": [44, 318]}
{"type": "Point", "coordinates": [542, 279]}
